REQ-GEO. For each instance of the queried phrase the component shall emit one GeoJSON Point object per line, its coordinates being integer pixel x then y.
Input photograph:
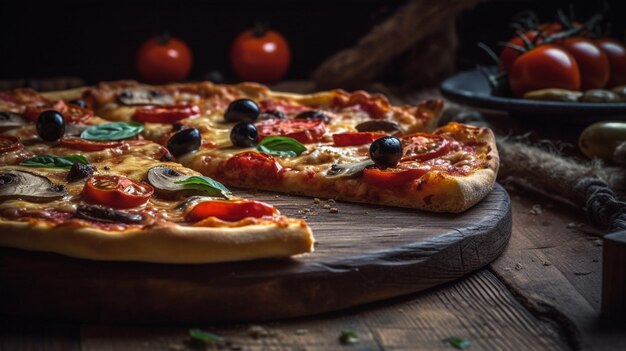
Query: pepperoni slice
{"type": "Point", "coordinates": [424, 146]}
{"type": "Point", "coordinates": [88, 145]}
{"type": "Point", "coordinates": [303, 130]}
{"type": "Point", "coordinates": [165, 114]}
{"type": "Point", "coordinates": [231, 211]}
{"type": "Point", "coordinates": [9, 143]}
{"type": "Point", "coordinates": [356, 138]}
{"type": "Point", "coordinates": [393, 177]}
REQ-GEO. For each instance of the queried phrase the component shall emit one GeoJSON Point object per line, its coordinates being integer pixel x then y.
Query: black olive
{"type": "Point", "coordinates": [79, 103]}
{"type": "Point", "coordinates": [242, 110]}
{"type": "Point", "coordinates": [187, 140]}
{"type": "Point", "coordinates": [272, 114]}
{"type": "Point", "coordinates": [244, 134]}
{"type": "Point", "coordinates": [386, 151]}
{"type": "Point", "coordinates": [80, 171]}
{"type": "Point", "coordinates": [100, 213]}
{"type": "Point", "coordinates": [313, 115]}
{"type": "Point", "coordinates": [50, 125]}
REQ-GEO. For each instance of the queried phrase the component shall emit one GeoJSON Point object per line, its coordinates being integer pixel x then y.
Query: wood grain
{"type": "Point", "coordinates": [363, 254]}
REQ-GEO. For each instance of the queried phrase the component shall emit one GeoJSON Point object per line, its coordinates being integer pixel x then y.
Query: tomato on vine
{"type": "Point", "coordinates": [592, 62]}
{"type": "Point", "coordinates": [164, 59]}
{"type": "Point", "coordinates": [616, 53]}
{"type": "Point", "coordinates": [260, 55]}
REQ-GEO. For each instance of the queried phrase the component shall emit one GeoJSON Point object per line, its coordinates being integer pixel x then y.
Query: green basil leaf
{"type": "Point", "coordinates": [281, 146]}
{"type": "Point", "coordinates": [204, 336]}
{"type": "Point", "coordinates": [51, 161]}
{"type": "Point", "coordinates": [112, 131]}
{"type": "Point", "coordinates": [459, 343]}
{"type": "Point", "coordinates": [207, 185]}
{"type": "Point", "coordinates": [348, 337]}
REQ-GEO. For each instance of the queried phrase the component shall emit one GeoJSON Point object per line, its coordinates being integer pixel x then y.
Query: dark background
{"type": "Point", "coordinates": [98, 40]}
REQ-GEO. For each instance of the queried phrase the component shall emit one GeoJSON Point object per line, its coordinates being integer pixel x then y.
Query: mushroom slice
{"type": "Point", "coordinates": [167, 184]}
{"type": "Point", "coordinates": [379, 126]}
{"type": "Point", "coordinates": [29, 186]}
{"type": "Point", "coordinates": [347, 170]}
{"type": "Point", "coordinates": [135, 97]}
{"type": "Point", "coordinates": [10, 120]}
{"type": "Point", "coordinates": [105, 214]}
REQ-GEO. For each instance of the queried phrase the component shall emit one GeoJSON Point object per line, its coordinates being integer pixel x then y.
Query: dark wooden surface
{"type": "Point", "coordinates": [363, 254]}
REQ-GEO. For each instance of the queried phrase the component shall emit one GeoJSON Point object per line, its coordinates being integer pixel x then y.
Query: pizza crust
{"type": "Point", "coordinates": [162, 244]}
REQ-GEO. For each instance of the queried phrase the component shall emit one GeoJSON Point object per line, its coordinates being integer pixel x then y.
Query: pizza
{"type": "Point", "coordinates": [127, 171]}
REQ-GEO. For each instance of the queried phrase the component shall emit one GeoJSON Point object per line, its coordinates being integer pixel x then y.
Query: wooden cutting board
{"type": "Point", "coordinates": [363, 254]}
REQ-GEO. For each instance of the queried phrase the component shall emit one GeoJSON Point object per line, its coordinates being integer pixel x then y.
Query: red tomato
{"type": "Point", "coordinates": [303, 130]}
{"type": "Point", "coordinates": [508, 55]}
{"type": "Point", "coordinates": [231, 211]}
{"type": "Point", "coordinates": [260, 55]}
{"type": "Point", "coordinates": [88, 145]}
{"type": "Point", "coordinates": [616, 52]}
{"type": "Point", "coordinates": [76, 114]}
{"type": "Point", "coordinates": [9, 143]}
{"type": "Point", "coordinates": [116, 191]}
{"type": "Point", "coordinates": [423, 146]}
{"type": "Point", "coordinates": [164, 59]}
{"type": "Point", "coordinates": [32, 112]}
{"type": "Point", "coordinates": [393, 177]}
{"type": "Point", "coordinates": [165, 114]}
{"type": "Point", "coordinates": [254, 164]}
{"type": "Point", "coordinates": [592, 62]}
{"type": "Point", "coordinates": [546, 66]}
{"type": "Point", "coordinates": [355, 139]}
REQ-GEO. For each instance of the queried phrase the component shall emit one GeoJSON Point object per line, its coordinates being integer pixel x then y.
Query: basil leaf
{"type": "Point", "coordinates": [458, 343]}
{"type": "Point", "coordinates": [348, 337]}
{"type": "Point", "coordinates": [51, 161]}
{"type": "Point", "coordinates": [281, 146]}
{"type": "Point", "coordinates": [112, 131]}
{"type": "Point", "coordinates": [207, 185]}
{"type": "Point", "coordinates": [200, 335]}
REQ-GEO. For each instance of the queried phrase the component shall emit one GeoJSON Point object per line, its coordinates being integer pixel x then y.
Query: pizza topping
{"type": "Point", "coordinates": [10, 120]}
{"type": "Point", "coordinates": [32, 112]}
{"type": "Point", "coordinates": [303, 130]}
{"type": "Point", "coordinates": [271, 114]}
{"type": "Point", "coordinates": [76, 114]}
{"type": "Point", "coordinates": [9, 143]}
{"type": "Point", "coordinates": [165, 114]}
{"type": "Point", "coordinates": [52, 161]}
{"type": "Point", "coordinates": [29, 187]}
{"type": "Point", "coordinates": [313, 114]}
{"type": "Point", "coordinates": [116, 191]}
{"type": "Point", "coordinates": [112, 131]}
{"type": "Point", "coordinates": [231, 211]}
{"type": "Point", "coordinates": [184, 141]}
{"type": "Point", "coordinates": [257, 165]}
{"type": "Point", "coordinates": [355, 139]}
{"type": "Point", "coordinates": [105, 214]}
{"type": "Point", "coordinates": [424, 146]}
{"type": "Point", "coordinates": [169, 183]}
{"type": "Point", "coordinates": [88, 145]}
{"type": "Point", "coordinates": [393, 177]}
{"type": "Point", "coordinates": [244, 134]}
{"type": "Point", "coordinates": [380, 125]}
{"type": "Point", "coordinates": [135, 97]}
{"type": "Point", "coordinates": [80, 171]}
{"type": "Point", "coordinates": [242, 110]}
{"type": "Point", "coordinates": [79, 103]}
{"type": "Point", "coordinates": [281, 146]}
{"type": "Point", "coordinates": [50, 125]}
{"type": "Point", "coordinates": [348, 170]}
{"type": "Point", "coordinates": [386, 151]}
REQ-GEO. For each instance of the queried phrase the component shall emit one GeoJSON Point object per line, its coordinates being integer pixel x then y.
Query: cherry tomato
{"type": "Point", "coordinates": [76, 114]}
{"type": "Point", "coordinates": [255, 165]}
{"type": "Point", "coordinates": [393, 177]}
{"type": "Point", "coordinates": [546, 66]}
{"type": "Point", "coordinates": [88, 145]}
{"type": "Point", "coordinates": [260, 55]}
{"type": "Point", "coordinates": [116, 191]}
{"type": "Point", "coordinates": [32, 112]}
{"type": "Point", "coordinates": [356, 138]}
{"type": "Point", "coordinates": [508, 55]}
{"type": "Point", "coordinates": [423, 147]}
{"type": "Point", "coordinates": [303, 130]}
{"type": "Point", "coordinates": [9, 143]}
{"type": "Point", "coordinates": [231, 211]}
{"type": "Point", "coordinates": [616, 52]}
{"type": "Point", "coordinates": [592, 62]}
{"type": "Point", "coordinates": [164, 59]}
{"type": "Point", "coordinates": [165, 114]}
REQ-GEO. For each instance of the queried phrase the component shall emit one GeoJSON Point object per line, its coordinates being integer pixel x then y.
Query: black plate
{"type": "Point", "coordinates": [471, 88]}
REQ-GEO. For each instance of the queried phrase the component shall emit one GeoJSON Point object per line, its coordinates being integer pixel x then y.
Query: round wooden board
{"type": "Point", "coordinates": [363, 254]}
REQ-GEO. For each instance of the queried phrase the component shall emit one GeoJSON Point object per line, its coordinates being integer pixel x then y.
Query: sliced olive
{"type": "Point", "coordinates": [185, 141]}
{"type": "Point", "coordinates": [602, 139]}
{"type": "Point", "coordinates": [135, 97]}
{"type": "Point", "coordinates": [599, 95]}
{"type": "Point", "coordinates": [29, 186]}
{"type": "Point", "coordinates": [80, 171]}
{"type": "Point", "coordinates": [386, 151]}
{"type": "Point", "coordinates": [50, 125]}
{"type": "Point", "coordinates": [242, 110]}
{"type": "Point", "coordinates": [378, 126]}
{"type": "Point", "coordinates": [244, 134]}
{"type": "Point", "coordinates": [105, 214]}
{"type": "Point", "coordinates": [553, 95]}
{"type": "Point", "coordinates": [10, 120]}
{"type": "Point", "coordinates": [272, 114]}
{"type": "Point", "coordinates": [313, 114]}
